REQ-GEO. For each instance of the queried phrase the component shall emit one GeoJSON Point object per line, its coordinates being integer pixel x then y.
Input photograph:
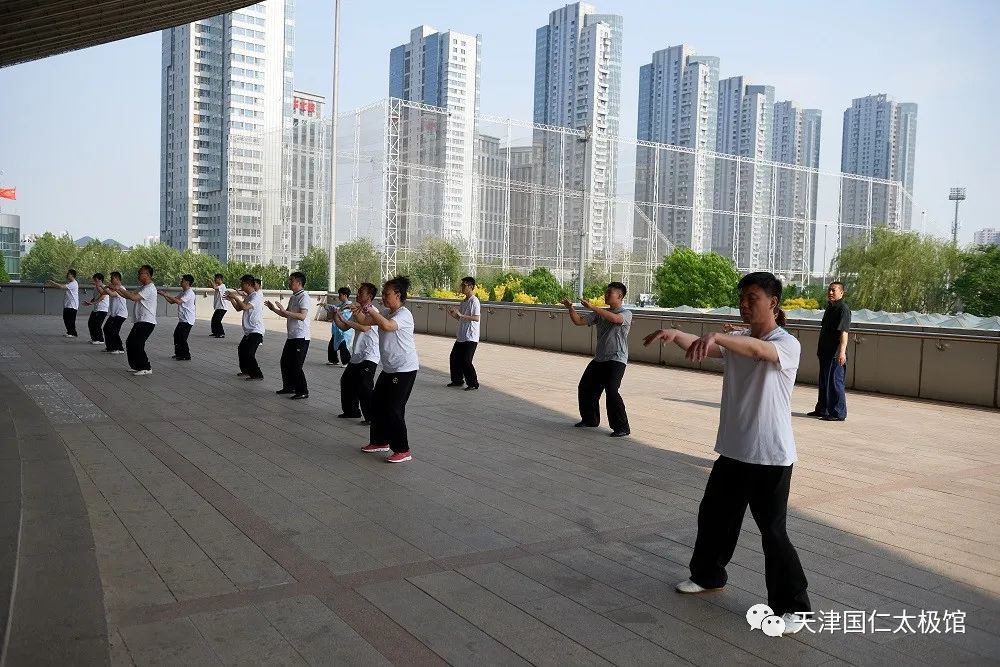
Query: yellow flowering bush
{"type": "Point", "coordinates": [481, 293]}
{"type": "Point", "coordinates": [438, 293]}
{"type": "Point", "coordinates": [521, 297]}
{"type": "Point", "coordinates": [800, 302]}
{"type": "Point", "coordinates": [500, 290]}
{"type": "Point", "coordinates": [598, 302]}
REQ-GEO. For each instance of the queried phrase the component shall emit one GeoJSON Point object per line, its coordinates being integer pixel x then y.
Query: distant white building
{"type": "Point", "coordinates": [307, 178]}
{"type": "Point", "coordinates": [988, 236]}
{"type": "Point", "coordinates": [796, 142]}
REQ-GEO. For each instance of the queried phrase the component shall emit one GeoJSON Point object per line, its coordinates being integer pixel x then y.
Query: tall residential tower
{"type": "Point", "coordinates": [796, 142]}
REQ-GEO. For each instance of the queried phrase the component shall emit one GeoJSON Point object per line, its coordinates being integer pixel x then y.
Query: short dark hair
{"type": "Point", "coordinates": [257, 282]}
{"type": "Point", "coordinates": [298, 275]}
{"type": "Point", "coordinates": [219, 275]}
{"type": "Point", "coordinates": [346, 291]}
{"type": "Point", "coordinates": [116, 274]}
{"type": "Point", "coordinates": [147, 268]}
{"type": "Point", "coordinates": [771, 286]}
{"type": "Point", "coordinates": [98, 276]}
{"type": "Point", "coordinates": [368, 289]}
{"type": "Point", "coordinates": [188, 278]}
{"type": "Point", "coordinates": [837, 282]}
{"type": "Point", "coordinates": [620, 287]}
{"type": "Point", "coordinates": [469, 280]}
{"type": "Point", "coordinates": [247, 279]}
{"type": "Point", "coordinates": [72, 272]}
{"type": "Point", "coordinates": [401, 284]}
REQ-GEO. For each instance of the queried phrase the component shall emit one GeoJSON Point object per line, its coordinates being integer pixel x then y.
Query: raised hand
{"type": "Point", "coordinates": [730, 327]}
{"type": "Point", "coordinates": [662, 335]}
{"type": "Point", "coordinates": [567, 303]}
{"type": "Point", "coordinates": [699, 348]}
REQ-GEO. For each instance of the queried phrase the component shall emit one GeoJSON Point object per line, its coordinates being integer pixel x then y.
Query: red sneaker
{"type": "Point", "coordinates": [399, 457]}
{"type": "Point", "coordinates": [372, 449]}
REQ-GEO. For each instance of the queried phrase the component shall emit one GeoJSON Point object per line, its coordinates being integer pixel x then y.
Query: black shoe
{"type": "Point", "coordinates": [455, 384]}
{"type": "Point", "coordinates": [297, 397]}
{"type": "Point", "coordinates": [815, 413]}
{"type": "Point", "coordinates": [365, 422]}
{"type": "Point", "coordinates": [173, 356]}
{"type": "Point", "coordinates": [579, 424]}
{"type": "Point", "coordinates": [253, 378]}
{"type": "Point", "coordinates": [620, 434]}
{"type": "Point", "coordinates": [831, 418]}
{"type": "Point", "coordinates": [472, 388]}
{"type": "Point", "coordinates": [281, 392]}
{"type": "Point", "coordinates": [344, 415]}
{"type": "Point", "coordinates": [183, 358]}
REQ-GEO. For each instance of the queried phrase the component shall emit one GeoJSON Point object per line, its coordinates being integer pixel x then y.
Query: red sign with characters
{"type": "Point", "coordinates": [307, 106]}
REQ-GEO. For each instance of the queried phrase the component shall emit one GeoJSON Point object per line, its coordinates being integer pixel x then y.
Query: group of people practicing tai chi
{"type": "Point", "coordinates": [755, 442]}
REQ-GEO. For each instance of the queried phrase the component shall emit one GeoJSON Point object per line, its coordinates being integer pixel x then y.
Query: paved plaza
{"type": "Point", "coordinates": [193, 518]}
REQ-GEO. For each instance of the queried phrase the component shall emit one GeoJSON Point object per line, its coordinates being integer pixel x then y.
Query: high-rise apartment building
{"type": "Point", "coordinates": [307, 177]}
{"type": "Point", "coordinates": [743, 188]}
{"type": "Point", "coordinates": [440, 69]}
{"type": "Point", "coordinates": [578, 86]}
{"type": "Point", "coordinates": [226, 97]}
{"type": "Point", "coordinates": [879, 141]}
{"type": "Point", "coordinates": [796, 143]}
{"type": "Point", "coordinates": [674, 190]}
{"type": "Point", "coordinates": [988, 236]}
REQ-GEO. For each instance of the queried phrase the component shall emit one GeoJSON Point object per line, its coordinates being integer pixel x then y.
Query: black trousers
{"type": "Point", "coordinates": [832, 398]}
{"type": "Point", "coordinates": [94, 323]}
{"type": "Point", "coordinates": [337, 352]}
{"type": "Point", "coordinates": [603, 376]}
{"type": "Point", "coordinates": [69, 319]}
{"type": "Point", "coordinates": [112, 333]}
{"type": "Point", "coordinates": [181, 349]}
{"type": "Point", "coordinates": [392, 390]}
{"type": "Point", "coordinates": [731, 487]}
{"type": "Point", "coordinates": [356, 387]}
{"type": "Point", "coordinates": [217, 316]}
{"type": "Point", "coordinates": [135, 346]}
{"type": "Point", "coordinates": [247, 351]}
{"type": "Point", "coordinates": [292, 357]}
{"type": "Point", "coordinates": [461, 363]}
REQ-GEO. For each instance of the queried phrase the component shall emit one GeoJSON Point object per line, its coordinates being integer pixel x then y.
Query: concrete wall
{"type": "Point", "coordinates": [920, 362]}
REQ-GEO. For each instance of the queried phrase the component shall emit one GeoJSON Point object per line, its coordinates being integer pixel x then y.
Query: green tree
{"type": "Point", "coordinates": [4, 276]}
{"type": "Point", "coordinates": [95, 257]}
{"type": "Point", "coordinates": [687, 278]}
{"type": "Point", "coordinates": [542, 284]}
{"type": "Point", "coordinates": [166, 263]}
{"type": "Point", "coordinates": [202, 267]}
{"type": "Point", "coordinates": [595, 280]}
{"type": "Point", "coordinates": [271, 276]}
{"type": "Point", "coordinates": [437, 265]}
{"type": "Point", "coordinates": [316, 265]}
{"type": "Point", "coordinates": [978, 284]}
{"type": "Point", "coordinates": [899, 271]}
{"type": "Point", "coordinates": [49, 258]}
{"type": "Point", "coordinates": [358, 262]}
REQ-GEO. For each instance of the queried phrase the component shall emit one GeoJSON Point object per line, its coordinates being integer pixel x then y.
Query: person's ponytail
{"type": "Point", "coordinates": [779, 317]}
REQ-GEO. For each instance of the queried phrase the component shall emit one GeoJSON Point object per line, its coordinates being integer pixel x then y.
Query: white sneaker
{"type": "Point", "coordinates": [146, 372]}
{"type": "Point", "coordinates": [117, 351]}
{"type": "Point", "coordinates": [793, 623]}
{"type": "Point", "coordinates": [97, 342]}
{"type": "Point", "coordinates": [330, 363]}
{"type": "Point", "coordinates": [689, 587]}
{"type": "Point", "coordinates": [68, 336]}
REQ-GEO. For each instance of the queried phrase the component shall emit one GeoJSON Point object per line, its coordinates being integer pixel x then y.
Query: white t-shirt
{"type": "Point", "coordinates": [100, 302]}
{"type": "Point", "coordinates": [299, 328]}
{"type": "Point", "coordinates": [145, 310]}
{"type": "Point", "coordinates": [398, 348]}
{"type": "Point", "coordinates": [366, 346]}
{"type": "Point", "coordinates": [253, 319]}
{"type": "Point", "coordinates": [185, 309]}
{"type": "Point", "coordinates": [117, 306]}
{"type": "Point", "coordinates": [217, 301]}
{"type": "Point", "coordinates": [755, 423]}
{"type": "Point", "coordinates": [71, 299]}
{"type": "Point", "coordinates": [468, 331]}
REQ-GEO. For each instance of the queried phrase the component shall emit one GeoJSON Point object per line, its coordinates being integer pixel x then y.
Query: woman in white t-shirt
{"type": "Point", "coordinates": [99, 300]}
{"type": "Point", "coordinates": [145, 320]}
{"type": "Point", "coordinates": [756, 448]}
{"type": "Point", "coordinates": [185, 302]}
{"type": "Point", "coordinates": [357, 383]}
{"type": "Point", "coordinates": [398, 352]}
{"type": "Point", "coordinates": [117, 314]}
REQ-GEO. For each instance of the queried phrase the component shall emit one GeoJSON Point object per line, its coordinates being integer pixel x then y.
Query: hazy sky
{"type": "Point", "coordinates": [80, 133]}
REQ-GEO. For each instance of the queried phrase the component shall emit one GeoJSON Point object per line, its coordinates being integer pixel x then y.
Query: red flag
{"type": "Point", "coordinates": [8, 193]}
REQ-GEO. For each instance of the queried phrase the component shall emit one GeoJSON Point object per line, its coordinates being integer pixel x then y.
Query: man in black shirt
{"type": "Point", "coordinates": [832, 352]}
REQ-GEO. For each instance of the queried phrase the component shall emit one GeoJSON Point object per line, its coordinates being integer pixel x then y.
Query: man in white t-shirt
{"type": "Point", "coordinates": [71, 301]}
{"type": "Point", "coordinates": [145, 320]}
{"type": "Point", "coordinates": [252, 308]}
{"type": "Point", "coordinates": [117, 314]}
{"type": "Point", "coordinates": [185, 317]}
{"type": "Point", "coordinates": [99, 300]}
{"type": "Point", "coordinates": [756, 449]}
{"type": "Point", "coordinates": [220, 304]}
{"type": "Point", "coordinates": [466, 338]}
{"type": "Point", "coordinates": [357, 384]}
{"type": "Point", "coordinates": [293, 356]}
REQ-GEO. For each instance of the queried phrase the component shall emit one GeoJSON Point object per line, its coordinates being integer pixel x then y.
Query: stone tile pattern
{"type": "Point", "coordinates": [232, 526]}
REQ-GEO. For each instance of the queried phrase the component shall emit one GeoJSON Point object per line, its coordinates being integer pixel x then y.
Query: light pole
{"type": "Point", "coordinates": [585, 221]}
{"type": "Point", "coordinates": [332, 250]}
{"type": "Point", "coordinates": [956, 195]}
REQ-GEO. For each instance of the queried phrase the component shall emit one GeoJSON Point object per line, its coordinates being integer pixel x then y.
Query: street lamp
{"type": "Point", "coordinates": [332, 250]}
{"type": "Point", "coordinates": [956, 195]}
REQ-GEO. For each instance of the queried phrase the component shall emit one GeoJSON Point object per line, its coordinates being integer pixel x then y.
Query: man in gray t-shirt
{"type": "Point", "coordinates": [605, 372]}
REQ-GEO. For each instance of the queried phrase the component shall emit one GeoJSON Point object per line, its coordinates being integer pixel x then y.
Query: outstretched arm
{"type": "Point", "coordinates": [358, 321]}
{"type": "Point", "coordinates": [603, 313]}
{"type": "Point", "coordinates": [131, 296]}
{"type": "Point", "coordinates": [573, 315]}
{"type": "Point", "coordinates": [379, 320]}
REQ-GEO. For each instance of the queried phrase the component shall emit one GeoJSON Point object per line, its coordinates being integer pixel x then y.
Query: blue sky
{"type": "Point", "coordinates": [79, 133]}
